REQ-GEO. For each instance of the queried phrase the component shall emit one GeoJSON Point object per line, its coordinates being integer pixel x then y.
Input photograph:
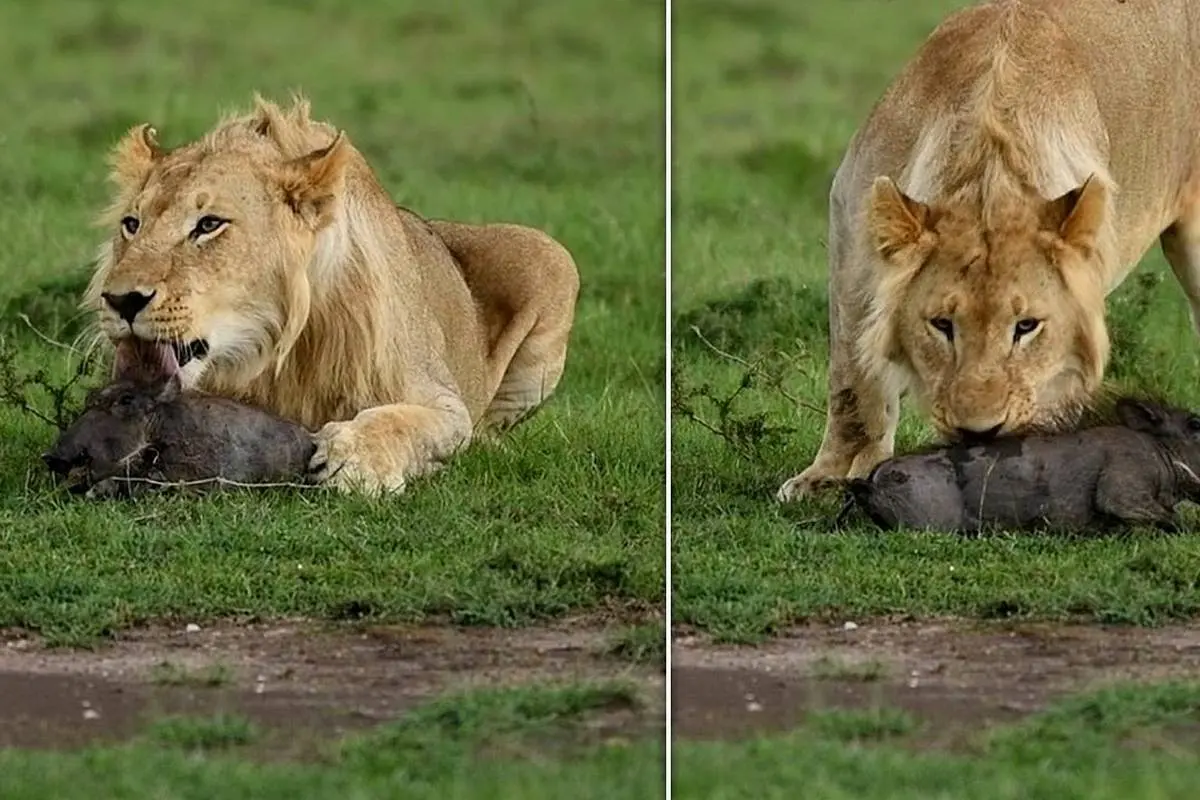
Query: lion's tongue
{"type": "Point", "coordinates": [137, 358]}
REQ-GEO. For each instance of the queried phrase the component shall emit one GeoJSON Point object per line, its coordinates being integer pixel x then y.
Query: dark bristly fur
{"type": "Point", "coordinates": [142, 432]}
{"type": "Point", "coordinates": [1131, 463]}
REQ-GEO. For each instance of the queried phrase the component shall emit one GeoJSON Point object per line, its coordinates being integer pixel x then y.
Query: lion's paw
{"type": "Point", "coordinates": [811, 481]}
{"type": "Point", "coordinates": [344, 461]}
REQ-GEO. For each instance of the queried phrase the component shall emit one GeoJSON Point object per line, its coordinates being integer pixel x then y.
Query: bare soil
{"type": "Point", "coordinates": [304, 684]}
{"type": "Point", "coordinates": [957, 677]}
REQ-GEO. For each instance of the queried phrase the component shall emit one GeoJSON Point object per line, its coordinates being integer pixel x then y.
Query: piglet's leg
{"type": "Point", "coordinates": [103, 490]}
{"type": "Point", "coordinates": [1133, 502]}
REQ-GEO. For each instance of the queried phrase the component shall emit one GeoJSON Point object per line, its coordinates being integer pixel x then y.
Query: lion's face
{"type": "Point", "coordinates": [209, 247]}
{"type": "Point", "coordinates": [993, 337]}
{"type": "Point", "coordinates": [1002, 330]}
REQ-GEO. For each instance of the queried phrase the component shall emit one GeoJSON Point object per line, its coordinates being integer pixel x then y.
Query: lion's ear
{"type": "Point", "coordinates": [311, 181]}
{"type": "Point", "coordinates": [1078, 215]}
{"type": "Point", "coordinates": [896, 221]}
{"type": "Point", "coordinates": [135, 155]}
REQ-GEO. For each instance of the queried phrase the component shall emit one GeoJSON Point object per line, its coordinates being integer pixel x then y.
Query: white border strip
{"type": "Point", "coordinates": [667, 300]}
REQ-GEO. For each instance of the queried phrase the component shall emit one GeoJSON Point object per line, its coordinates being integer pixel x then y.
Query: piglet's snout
{"type": "Point", "coordinates": [56, 463]}
{"type": "Point", "coordinates": [62, 463]}
{"type": "Point", "coordinates": [75, 468]}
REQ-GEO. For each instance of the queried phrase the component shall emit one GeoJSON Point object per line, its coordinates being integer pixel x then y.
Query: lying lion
{"type": "Point", "coordinates": [266, 259]}
{"type": "Point", "coordinates": [1011, 177]}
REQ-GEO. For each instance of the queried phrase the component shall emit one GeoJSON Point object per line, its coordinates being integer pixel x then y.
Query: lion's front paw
{"type": "Point", "coordinates": [826, 474]}
{"type": "Point", "coordinates": [348, 460]}
{"type": "Point", "coordinates": [814, 480]}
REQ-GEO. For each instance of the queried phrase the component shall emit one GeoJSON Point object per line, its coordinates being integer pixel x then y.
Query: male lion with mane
{"type": "Point", "coordinates": [1011, 176]}
{"type": "Point", "coordinates": [268, 264]}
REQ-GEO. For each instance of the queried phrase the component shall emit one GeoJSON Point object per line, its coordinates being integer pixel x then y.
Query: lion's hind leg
{"type": "Point", "coordinates": [1181, 247]}
{"type": "Point", "coordinates": [532, 371]}
{"type": "Point", "coordinates": [526, 285]}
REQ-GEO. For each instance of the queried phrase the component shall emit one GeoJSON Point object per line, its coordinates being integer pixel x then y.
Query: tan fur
{"type": "Point", "coordinates": [1011, 176]}
{"type": "Point", "coordinates": [399, 338]}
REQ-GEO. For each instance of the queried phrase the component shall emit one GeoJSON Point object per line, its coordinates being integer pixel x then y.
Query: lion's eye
{"type": "Point", "coordinates": [1024, 327]}
{"type": "Point", "coordinates": [943, 326]}
{"type": "Point", "coordinates": [1193, 424]}
{"type": "Point", "coordinates": [130, 225]}
{"type": "Point", "coordinates": [207, 224]}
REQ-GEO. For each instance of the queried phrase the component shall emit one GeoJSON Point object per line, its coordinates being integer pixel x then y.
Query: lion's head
{"type": "Point", "coordinates": [210, 243]}
{"type": "Point", "coordinates": [994, 317]}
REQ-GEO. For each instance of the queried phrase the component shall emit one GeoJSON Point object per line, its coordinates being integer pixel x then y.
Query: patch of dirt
{"type": "Point", "coordinates": [954, 676]}
{"type": "Point", "coordinates": [302, 683]}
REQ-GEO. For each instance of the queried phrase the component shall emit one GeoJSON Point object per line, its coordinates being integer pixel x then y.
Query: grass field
{"type": "Point", "coordinates": [766, 98]}
{"type": "Point", "coordinates": [428, 754]}
{"type": "Point", "coordinates": [546, 115]}
{"type": "Point", "coordinates": [768, 104]}
{"type": "Point", "coordinates": [1111, 744]}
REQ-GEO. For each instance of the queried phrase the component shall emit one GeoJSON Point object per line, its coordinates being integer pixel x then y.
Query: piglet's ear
{"type": "Point", "coordinates": [170, 390]}
{"type": "Point", "coordinates": [1139, 416]}
{"type": "Point", "coordinates": [126, 361]}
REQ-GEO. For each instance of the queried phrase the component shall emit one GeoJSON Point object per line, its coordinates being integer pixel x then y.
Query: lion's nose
{"type": "Point", "coordinates": [976, 435]}
{"type": "Point", "coordinates": [128, 305]}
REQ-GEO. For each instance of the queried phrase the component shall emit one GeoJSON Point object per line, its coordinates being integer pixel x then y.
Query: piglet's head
{"type": "Point", "coordinates": [1158, 420]}
{"type": "Point", "coordinates": [1177, 429]}
{"type": "Point", "coordinates": [113, 437]}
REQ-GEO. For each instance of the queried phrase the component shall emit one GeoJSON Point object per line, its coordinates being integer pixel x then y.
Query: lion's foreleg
{"type": "Point", "coordinates": [860, 429]}
{"type": "Point", "coordinates": [384, 447]}
{"type": "Point", "coordinates": [862, 411]}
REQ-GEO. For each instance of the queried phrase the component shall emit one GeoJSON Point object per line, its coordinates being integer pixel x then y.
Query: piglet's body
{"type": "Point", "coordinates": [136, 435]}
{"type": "Point", "coordinates": [1135, 472]}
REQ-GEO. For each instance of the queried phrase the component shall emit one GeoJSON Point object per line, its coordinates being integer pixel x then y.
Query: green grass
{"type": "Point", "coordinates": [827, 668]}
{"type": "Point", "coordinates": [766, 101]}
{"type": "Point", "coordinates": [1121, 743]}
{"type": "Point", "coordinates": [221, 731]}
{"type": "Point", "coordinates": [478, 745]}
{"type": "Point", "coordinates": [547, 115]}
{"type": "Point", "coordinates": [642, 644]}
{"type": "Point", "coordinates": [169, 673]}
{"type": "Point", "coordinates": [859, 726]}
{"type": "Point", "coordinates": [430, 740]}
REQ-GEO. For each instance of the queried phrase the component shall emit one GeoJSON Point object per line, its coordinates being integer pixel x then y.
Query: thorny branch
{"type": "Point", "coordinates": [216, 481]}
{"type": "Point", "coordinates": [756, 369]}
{"type": "Point", "coordinates": [15, 385]}
{"type": "Point", "coordinates": [745, 433]}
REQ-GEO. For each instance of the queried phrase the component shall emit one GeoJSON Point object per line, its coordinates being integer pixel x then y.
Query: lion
{"type": "Point", "coordinates": [1012, 175]}
{"type": "Point", "coordinates": [270, 266]}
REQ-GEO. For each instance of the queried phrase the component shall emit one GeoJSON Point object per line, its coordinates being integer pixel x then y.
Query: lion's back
{"type": "Point", "coordinates": [1041, 65]}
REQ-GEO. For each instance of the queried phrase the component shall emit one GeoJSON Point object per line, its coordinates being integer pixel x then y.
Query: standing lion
{"type": "Point", "coordinates": [1011, 176]}
{"type": "Point", "coordinates": [268, 262]}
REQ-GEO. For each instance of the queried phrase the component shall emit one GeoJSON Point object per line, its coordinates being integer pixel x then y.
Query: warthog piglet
{"type": "Point", "coordinates": [143, 432]}
{"type": "Point", "coordinates": [1132, 472]}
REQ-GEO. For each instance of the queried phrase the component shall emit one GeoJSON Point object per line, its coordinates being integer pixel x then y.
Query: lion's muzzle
{"type": "Point", "coordinates": [973, 436]}
{"type": "Point", "coordinates": [128, 304]}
